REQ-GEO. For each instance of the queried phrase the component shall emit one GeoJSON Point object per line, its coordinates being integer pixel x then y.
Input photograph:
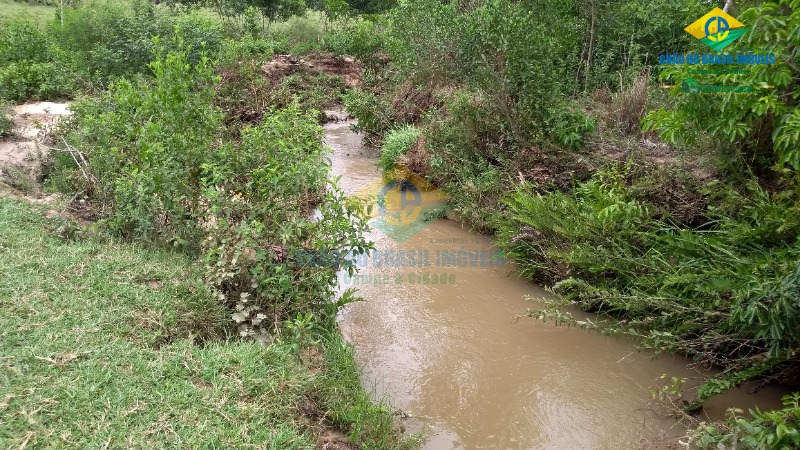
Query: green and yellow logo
{"type": "Point", "coordinates": [717, 29]}
{"type": "Point", "coordinates": [404, 203]}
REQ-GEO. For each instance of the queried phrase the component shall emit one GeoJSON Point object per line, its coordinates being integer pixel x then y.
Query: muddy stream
{"type": "Point", "coordinates": [443, 335]}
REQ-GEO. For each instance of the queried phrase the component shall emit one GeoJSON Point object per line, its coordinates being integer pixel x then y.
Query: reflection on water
{"type": "Point", "coordinates": [448, 342]}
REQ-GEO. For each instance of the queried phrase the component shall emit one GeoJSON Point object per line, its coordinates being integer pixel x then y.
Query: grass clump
{"type": "Point", "coordinates": [397, 143]}
{"type": "Point", "coordinates": [100, 348]}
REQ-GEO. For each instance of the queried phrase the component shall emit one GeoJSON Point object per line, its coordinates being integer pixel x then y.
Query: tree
{"type": "Point", "coordinates": [764, 123]}
{"type": "Point", "coordinates": [279, 9]}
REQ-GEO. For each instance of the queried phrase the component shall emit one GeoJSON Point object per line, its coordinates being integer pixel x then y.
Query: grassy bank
{"type": "Point", "coordinates": [14, 10]}
{"type": "Point", "coordinates": [105, 344]}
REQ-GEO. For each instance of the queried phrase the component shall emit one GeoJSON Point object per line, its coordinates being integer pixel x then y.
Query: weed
{"type": "Point", "coordinates": [302, 331]}
{"type": "Point", "coordinates": [629, 106]}
{"type": "Point", "coordinates": [568, 125]}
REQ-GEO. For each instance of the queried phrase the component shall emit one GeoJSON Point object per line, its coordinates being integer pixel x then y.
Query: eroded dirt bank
{"type": "Point", "coordinates": [32, 126]}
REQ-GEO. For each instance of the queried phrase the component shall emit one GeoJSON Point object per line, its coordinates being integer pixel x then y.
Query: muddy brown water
{"type": "Point", "coordinates": [447, 341]}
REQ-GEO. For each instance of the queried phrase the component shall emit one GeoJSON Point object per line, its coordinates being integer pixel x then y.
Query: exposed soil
{"type": "Point", "coordinates": [21, 156]}
{"type": "Point", "coordinates": [333, 440]}
{"type": "Point", "coordinates": [347, 68]}
{"type": "Point", "coordinates": [249, 89]}
{"type": "Point", "coordinates": [326, 436]}
{"type": "Point", "coordinates": [33, 124]}
{"type": "Point", "coordinates": [417, 158]}
{"type": "Point", "coordinates": [32, 119]}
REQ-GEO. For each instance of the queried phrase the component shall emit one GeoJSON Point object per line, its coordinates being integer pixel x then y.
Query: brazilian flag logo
{"type": "Point", "coordinates": [717, 29]}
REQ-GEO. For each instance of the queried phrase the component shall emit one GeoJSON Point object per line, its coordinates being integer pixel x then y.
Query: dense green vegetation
{"type": "Point", "coordinates": [675, 216]}
{"type": "Point", "coordinates": [97, 42]}
{"type": "Point", "coordinates": [168, 153]}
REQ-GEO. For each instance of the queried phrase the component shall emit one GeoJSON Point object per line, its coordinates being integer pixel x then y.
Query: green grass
{"type": "Point", "coordinates": [12, 10]}
{"type": "Point", "coordinates": [108, 345]}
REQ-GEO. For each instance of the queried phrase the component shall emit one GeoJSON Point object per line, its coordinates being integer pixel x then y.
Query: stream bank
{"type": "Point", "coordinates": [446, 340]}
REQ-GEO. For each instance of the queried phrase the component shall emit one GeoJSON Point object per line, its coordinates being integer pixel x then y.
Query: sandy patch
{"type": "Point", "coordinates": [35, 121]}
{"type": "Point", "coordinates": [32, 127]}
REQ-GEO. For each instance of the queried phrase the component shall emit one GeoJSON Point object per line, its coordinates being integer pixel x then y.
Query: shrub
{"type": "Point", "coordinates": [764, 429]}
{"type": "Point", "coordinates": [360, 38]}
{"type": "Point", "coordinates": [245, 49]}
{"type": "Point", "coordinates": [301, 35]}
{"type": "Point", "coordinates": [162, 169]}
{"type": "Point", "coordinates": [469, 159]}
{"type": "Point", "coordinates": [374, 114]}
{"type": "Point", "coordinates": [116, 40]}
{"type": "Point", "coordinates": [31, 67]}
{"type": "Point", "coordinates": [421, 34]}
{"type": "Point", "coordinates": [762, 125]}
{"type": "Point", "coordinates": [146, 143]}
{"type": "Point", "coordinates": [22, 41]}
{"type": "Point", "coordinates": [257, 248]}
{"type": "Point", "coordinates": [20, 81]}
{"type": "Point", "coordinates": [397, 143]}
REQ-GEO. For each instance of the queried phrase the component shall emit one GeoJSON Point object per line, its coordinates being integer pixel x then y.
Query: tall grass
{"type": "Point", "coordinates": [397, 143]}
{"type": "Point", "coordinates": [725, 294]}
